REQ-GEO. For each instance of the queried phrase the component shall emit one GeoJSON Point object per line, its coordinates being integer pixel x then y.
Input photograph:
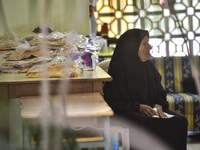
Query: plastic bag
{"type": "Point", "coordinates": [95, 43]}
{"type": "Point", "coordinates": [58, 67]}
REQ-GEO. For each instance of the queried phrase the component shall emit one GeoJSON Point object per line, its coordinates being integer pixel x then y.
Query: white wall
{"type": "Point", "coordinates": [22, 16]}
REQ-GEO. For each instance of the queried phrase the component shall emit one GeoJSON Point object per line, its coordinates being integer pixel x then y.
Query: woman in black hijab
{"type": "Point", "coordinates": [136, 92]}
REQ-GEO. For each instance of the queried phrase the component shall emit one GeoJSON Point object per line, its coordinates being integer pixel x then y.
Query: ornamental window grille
{"type": "Point", "coordinates": [165, 35]}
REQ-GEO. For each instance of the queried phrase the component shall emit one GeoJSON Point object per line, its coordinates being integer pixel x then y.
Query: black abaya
{"type": "Point", "coordinates": [136, 82]}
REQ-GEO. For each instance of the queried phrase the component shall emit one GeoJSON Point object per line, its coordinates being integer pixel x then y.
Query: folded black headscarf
{"type": "Point", "coordinates": [134, 82]}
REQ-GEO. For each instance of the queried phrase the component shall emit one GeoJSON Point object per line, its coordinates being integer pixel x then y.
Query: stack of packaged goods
{"type": "Point", "coordinates": [64, 54]}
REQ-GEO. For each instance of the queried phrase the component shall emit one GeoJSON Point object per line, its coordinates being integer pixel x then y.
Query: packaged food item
{"type": "Point", "coordinates": [9, 41]}
{"type": "Point", "coordinates": [21, 66]}
{"type": "Point", "coordinates": [33, 51]}
{"type": "Point", "coordinates": [66, 54]}
{"type": "Point", "coordinates": [65, 68]}
{"type": "Point", "coordinates": [25, 62]}
{"type": "Point", "coordinates": [14, 69]}
{"type": "Point", "coordinates": [54, 40]}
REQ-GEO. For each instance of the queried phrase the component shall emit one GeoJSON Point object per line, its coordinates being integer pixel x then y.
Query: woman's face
{"type": "Point", "coordinates": [144, 49]}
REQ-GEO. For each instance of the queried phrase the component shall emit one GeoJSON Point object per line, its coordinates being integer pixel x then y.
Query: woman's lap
{"type": "Point", "coordinates": [171, 130]}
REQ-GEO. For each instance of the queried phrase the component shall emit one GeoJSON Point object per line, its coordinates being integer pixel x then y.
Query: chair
{"type": "Point", "coordinates": [104, 64]}
{"type": "Point", "coordinates": [124, 132]}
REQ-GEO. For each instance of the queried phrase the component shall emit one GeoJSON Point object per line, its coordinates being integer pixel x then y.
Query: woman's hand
{"type": "Point", "coordinates": [160, 111]}
{"type": "Point", "coordinates": [147, 110]}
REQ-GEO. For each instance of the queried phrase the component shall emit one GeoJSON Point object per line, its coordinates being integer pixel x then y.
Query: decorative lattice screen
{"type": "Point", "coordinates": [165, 35]}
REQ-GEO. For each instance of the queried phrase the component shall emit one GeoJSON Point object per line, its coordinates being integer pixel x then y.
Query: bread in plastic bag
{"type": "Point", "coordinates": [55, 69]}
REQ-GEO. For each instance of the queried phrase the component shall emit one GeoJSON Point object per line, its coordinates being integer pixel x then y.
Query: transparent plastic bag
{"type": "Point", "coordinates": [78, 40]}
{"type": "Point", "coordinates": [95, 42]}
{"type": "Point", "coordinates": [58, 67]}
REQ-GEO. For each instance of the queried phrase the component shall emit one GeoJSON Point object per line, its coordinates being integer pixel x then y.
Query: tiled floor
{"type": "Point", "coordinates": [193, 141]}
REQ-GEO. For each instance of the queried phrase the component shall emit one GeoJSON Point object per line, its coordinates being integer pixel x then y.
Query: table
{"type": "Point", "coordinates": [18, 85]}
{"type": "Point", "coordinates": [78, 105]}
